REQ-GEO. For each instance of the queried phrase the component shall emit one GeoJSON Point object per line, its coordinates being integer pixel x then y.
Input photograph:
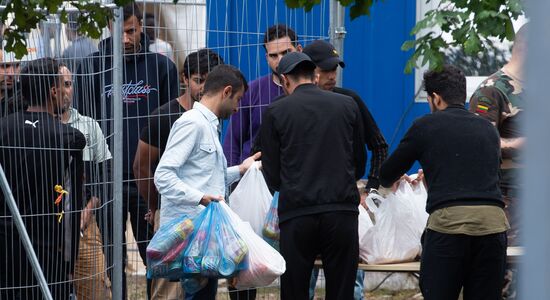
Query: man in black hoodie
{"type": "Point", "coordinates": [465, 241]}
{"type": "Point", "coordinates": [149, 81]}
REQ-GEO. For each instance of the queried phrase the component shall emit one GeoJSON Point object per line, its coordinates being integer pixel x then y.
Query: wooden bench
{"type": "Point", "coordinates": [514, 254]}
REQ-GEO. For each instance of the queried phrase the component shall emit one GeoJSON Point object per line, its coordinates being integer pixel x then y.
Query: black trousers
{"type": "Point", "coordinates": [453, 261]}
{"type": "Point", "coordinates": [334, 236]}
{"type": "Point", "coordinates": [17, 279]}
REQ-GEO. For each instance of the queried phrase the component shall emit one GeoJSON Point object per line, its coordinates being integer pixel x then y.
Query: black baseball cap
{"type": "Point", "coordinates": [324, 55]}
{"type": "Point", "coordinates": [291, 60]}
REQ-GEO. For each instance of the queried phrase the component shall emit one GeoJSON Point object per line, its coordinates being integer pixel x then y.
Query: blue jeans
{"type": "Point", "coordinates": [313, 282]}
{"type": "Point", "coordinates": [357, 292]}
{"type": "Point", "coordinates": [206, 293]}
{"type": "Point", "coordinates": [359, 283]}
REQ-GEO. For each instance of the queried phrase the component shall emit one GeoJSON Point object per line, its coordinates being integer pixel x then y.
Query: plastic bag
{"type": "Point", "coordinates": [215, 249]}
{"type": "Point", "coordinates": [264, 264]}
{"type": "Point", "coordinates": [165, 251]}
{"type": "Point", "coordinates": [365, 224]}
{"type": "Point", "coordinates": [399, 221]}
{"type": "Point", "coordinates": [251, 198]}
{"type": "Point", "coordinates": [271, 226]}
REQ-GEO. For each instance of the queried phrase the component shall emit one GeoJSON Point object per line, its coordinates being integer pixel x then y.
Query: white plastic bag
{"type": "Point", "coordinates": [365, 224]}
{"type": "Point", "coordinates": [399, 221]}
{"type": "Point", "coordinates": [265, 264]}
{"type": "Point", "coordinates": [251, 198]}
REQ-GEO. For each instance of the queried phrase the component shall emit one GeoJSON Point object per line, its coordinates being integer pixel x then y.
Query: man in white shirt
{"type": "Point", "coordinates": [193, 170]}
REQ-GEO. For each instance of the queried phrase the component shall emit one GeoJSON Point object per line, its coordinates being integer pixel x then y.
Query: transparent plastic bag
{"type": "Point", "coordinates": [215, 249]}
{"type": "Point", "coordinates": [165, 251]}
{"type": "Point", "coordinates": [271, 226]}
{"type": "Point", "coordinates": [251, 198]}
{"type": "Point", "coordinates": [399, 221]}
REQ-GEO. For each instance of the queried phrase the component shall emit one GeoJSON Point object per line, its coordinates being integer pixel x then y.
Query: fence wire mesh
{"type": "Point", "coordinates": [57, 133]}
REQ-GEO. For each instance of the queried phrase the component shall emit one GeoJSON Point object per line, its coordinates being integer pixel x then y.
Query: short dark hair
{"type": "Point", "coordinates": [222, 76]}
{"type": "Point", "coordinates": [280, 31]}
{"type": "Point", "coordinates": [37, 78]}
{"type": "Point", "coordinates": [449, 83]}
{"type": "Point", "coordinates": [149, 16]}
{"type": "Point", "coordinates": [302, 70]}
{"type": "Point", "coordinates": [132, 9]}
{"type": "Point", "coordinates": [201, 62]}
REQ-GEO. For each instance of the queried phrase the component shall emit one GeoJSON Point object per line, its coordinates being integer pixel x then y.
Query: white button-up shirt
{"type": "Point", "coordinates": [192, 165]}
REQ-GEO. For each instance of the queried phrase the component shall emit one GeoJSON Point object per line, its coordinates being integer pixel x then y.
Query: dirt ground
{"type": "Point", "coordinates": [137, 290]}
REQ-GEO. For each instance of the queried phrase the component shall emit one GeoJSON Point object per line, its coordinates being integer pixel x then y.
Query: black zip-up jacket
{"type": "Point", "coordinates": [313, 152]}
{"type": "Point", "coordinates": [149, 80]}
{"type": "Point", "coordinates": [459, 153]}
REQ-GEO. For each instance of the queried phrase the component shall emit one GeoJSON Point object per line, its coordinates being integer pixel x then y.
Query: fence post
{"type": "Point", "coordinates": [118, 267]}
{"type": "Point", "coordinates": [8, 196]}
{"type": "Point", "coordinates": [337, 32]}
{"type": "Point", "coordinates": [534, 274]}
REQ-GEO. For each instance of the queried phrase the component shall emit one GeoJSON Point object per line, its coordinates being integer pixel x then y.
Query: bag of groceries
{"type": "Point", "coordinates": [399, 221]}
{"type": "Point", "coordinates": [251, 198]}
{"type": "Point", "coordinates": [264, 264]}
{"type": "Point", "coordinates": [365, 224]}
{"type": "Point", "coordinates": [165, 251]}
{"type": "Point", "coordinates": [215, 249]}
{"type": "Point", "coordinates": [270, 230]}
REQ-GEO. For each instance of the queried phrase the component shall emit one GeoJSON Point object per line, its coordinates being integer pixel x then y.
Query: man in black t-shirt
{"type": "Point", "coordinates": [38, 152]}
{"type": "Point", "coordinates": [153, 141]}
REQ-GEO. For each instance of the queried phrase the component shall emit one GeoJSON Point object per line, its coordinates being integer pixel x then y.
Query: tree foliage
{"type": "Point", "coordinates": [468, 23]}
{"type": "Point", "coordinates": [27, 15]}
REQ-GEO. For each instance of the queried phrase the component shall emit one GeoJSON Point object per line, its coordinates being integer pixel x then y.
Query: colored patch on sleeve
{"type": "Point", "coordinates": [481, 109]}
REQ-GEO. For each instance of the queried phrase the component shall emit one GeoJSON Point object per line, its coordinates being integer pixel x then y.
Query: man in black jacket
{"type": "Point", "coordinates": [313, 153]}
{"type": "Point", "coordinates": [465, 241]}
{"type": "Point", "coordinates": [327, 60]}
{"type": "Point", "coordinates": [149, 81]}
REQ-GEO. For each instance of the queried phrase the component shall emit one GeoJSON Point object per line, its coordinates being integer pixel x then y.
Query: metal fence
{"type": "Point", "coordinates": [108, 91]}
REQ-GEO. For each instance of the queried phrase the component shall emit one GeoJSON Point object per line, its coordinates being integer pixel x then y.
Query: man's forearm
{"type": "Point", "coordinates": [147, 189]}
{"type": "Point", "coordinates": [510, 147]}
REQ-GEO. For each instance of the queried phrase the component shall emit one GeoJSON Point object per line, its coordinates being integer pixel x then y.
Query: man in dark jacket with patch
{"type": "Point", "coordinates": [149, 81]}
{"type": "Point", "coordinates": [464, 245]}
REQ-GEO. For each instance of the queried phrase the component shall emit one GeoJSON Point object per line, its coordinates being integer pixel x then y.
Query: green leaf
{"type": "Point", "coordinates": [510, 34]}
{"type": "Point", "coordinates": [472, 44]}
{"type": "Point", "coordinates": [407, 45]}
{"type": "Point", "coordinates": [360, 8]}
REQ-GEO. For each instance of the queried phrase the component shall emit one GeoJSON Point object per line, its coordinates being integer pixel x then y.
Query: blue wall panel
{"type": "Point", "coordinates": [375, 64]}
{"type": "Point", "coordinates": [374, 60]}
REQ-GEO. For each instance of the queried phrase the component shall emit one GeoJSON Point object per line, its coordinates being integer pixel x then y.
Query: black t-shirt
{"type": "Point", "coordinates": [157, 131]}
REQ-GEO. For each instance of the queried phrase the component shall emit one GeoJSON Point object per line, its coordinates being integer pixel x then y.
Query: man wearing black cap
{"type": "Point", "coordinates": [313, 153]}
{"type": "Point", "coordinates": [327, 60]}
